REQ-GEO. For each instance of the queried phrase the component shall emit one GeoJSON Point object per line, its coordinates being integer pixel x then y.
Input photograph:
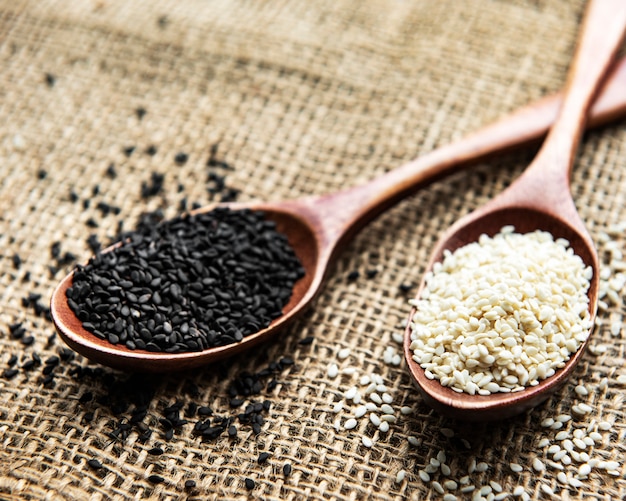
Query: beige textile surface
{"type": "Point", "coordinates": [298, 98]}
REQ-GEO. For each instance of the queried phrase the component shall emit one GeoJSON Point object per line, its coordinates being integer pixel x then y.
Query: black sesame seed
{"type": "Point", "coordinates": [111, 172]}
{"type": "Point", "coordinates": [190, 484]}
{"type": "Point", "coordinates": [181, 158]}
{"type": "Point", "coordinates": [42, 174]}
{"type": "Point", "coordinates": [9, 373]}
{"type": "Point", "coordinates": [306, 341]}
{"type": "Point", "coordinates": [128, 150]}
{"type": "Point", "coordinates": [250, 484]}
{"type": "Point", "coordinates": [287, 469]}
{"type": "Point", "coordinates": [155, 451]}
{"type": "Point", "coordinates": [151, 150]}
{"type": "Point", "coordinates": [140, 112]}
{"type": "Point", "coordinates": [94, 464]}
{"type": "Point", "coordinates": [353, 275]}
{"type": "Point", "coordinates": [17, 261]}
{"type": "Point", "coordinates": [156, 479]}
{"type": "Point", "coordinates": [50, 79]}
{"type": "Point", "coordinates": [263, 457]}
{"type": "Point", "coordinates": [406, 287]}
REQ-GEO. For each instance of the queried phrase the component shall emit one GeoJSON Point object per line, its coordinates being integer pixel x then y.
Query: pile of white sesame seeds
{"type": "Point", "coordinates": [502, 313]}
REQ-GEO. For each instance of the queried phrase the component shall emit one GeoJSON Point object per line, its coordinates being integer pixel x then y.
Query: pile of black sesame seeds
{"type": "Point", "coordinates": [135, 405]}
{"type": "Point", "coordinates": [187, 284]}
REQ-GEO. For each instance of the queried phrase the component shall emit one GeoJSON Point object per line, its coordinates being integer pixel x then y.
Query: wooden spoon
{"type": "Point", "coordinates": [539, 199]}
{"type": "Point", "coordinates": [319, 228]}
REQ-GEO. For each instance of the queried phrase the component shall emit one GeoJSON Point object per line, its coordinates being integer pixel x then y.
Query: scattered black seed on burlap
{"type": "Point", "coordinates": [250, 484]}
{"type": "Point", "coordinates": [187, 284]}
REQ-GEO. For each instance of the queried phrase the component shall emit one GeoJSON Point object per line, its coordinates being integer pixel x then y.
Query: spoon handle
{"type": "Point", "coordinates": [345, 212]}
{"type": "Point", "coordinates": [602, 33]}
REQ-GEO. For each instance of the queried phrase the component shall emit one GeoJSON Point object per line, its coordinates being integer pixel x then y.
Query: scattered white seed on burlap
{"type": "Point", "coordinates": [332, 371]}
{"type": "Point", "coordinates": [400, 476]}
{"type": "Point", "coordinates": [490, 309]}
{"type": "Point", "coordinates": [350, 424]}
{"type": "Point", "coordinates": [343, 353]}
{"type": "Point", "coordinates": [516, 468]}
{"type": "Point", "coordinates": [366, 441]}
{"type": "Point", "coordinates": [538, 465]}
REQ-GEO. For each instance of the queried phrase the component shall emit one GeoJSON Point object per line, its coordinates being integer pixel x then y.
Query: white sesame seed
{"type": "Point", "coordinates": [390, 418]}
{"type": "Point", "coordinates": [464, 480]}
{"type": "Point", "coordinates": [517, 468]}
{"type": "Point", "coordinates": [472, 466]}
{"type": "Point", "coordinates": [366, 441]}
{"type": "Point", "coordinates": [558, 456]}
{"type": "Point", "coordinates": [501, 496]}
{"type": "Point", "coordinates": [363, 380]}
{"type": "Point", "coordinates": [441, 456]}
{"type": "Point", "coordinates": [332, 371]}
{"type": "Point", "coordinates": [429, 468]}
{"type": "Point", "coordinates": [360, 411]}
{"type": "Point", "coordinates": [371, 406]}
{"type": "Point", "coordinates": [350, 424]}
{"type": "Point", "coordinates": [424, 476]}
{"type": "Point", "coordinates": [406, 410]}
{"type": "Point", "coordinates": [482, 467]}
{"type": "Point", "coordinates": [437, 486]}
{"type": "Point", "coordinates": [447, 432]}
{"type": "Point", "coordinates": [375, 397]}
{"type": "Point", "coordinates": [581, 390]}
{"type": "Point", "coordinates": [466, 443]}
{"type": "Point", "coordinates": [338, 406]}
{"type": "Point", "coordinates": [485, 489]}
{"type": "Point", "coordinates": [574, 482]}
{"type": "Point", "coordinates": [544, 441]}
{"type": "Point", "coordinates": [604, 425]}
{"type": "Point", "coordinates": [414, 441]}
{"type": "Point", "coordinates": [349, 371]}
{"type": "Point", "coordinates": [547, 422]}
{"type": "Point", "coordinates": [495, 486]}
{"type": "Point", "coordinates": [467, 488]}
{"type": "Point", "coordinates": [621, 379]}
{"type": "Point", "coordinates": [387, 398]}
{"type": "Point", "coordinates": [400, 476]}
{"type": "Point", "coordinates": [451, 485]}
{"type": "Point", "coordinates": [553, 449]}
{"type": "Point", "coordinates": [387, 409]}
{"type": "Point", "coordinates": [566, 460]}
{"type": "Point", "coordinates": [561, 477]}
{"type": "Point", "coordinates": [518, 491]}
{"type": "Point", "coordinates": [563, 418]}
{"type": "Point", "coordinates": [375, 420]}
{"type": "Point", "coordinates": [350, 393]}
{"type": "Point", "coordinates": [384, 426]}
{"type": "Point", "coordinates": [449, 497]}
{"type": "Point", "coordinates": [445, 469]}
{"type": "Point", "coordinates": [584, 470]}
{"type": "Point", "coordinates": [538, 465]}
{"type": "Point", "coordinates": [595, 436]}
{"type": "Point", "coordinates": [435, 462]}
{"type": "Point", "coordinates": [562, 435]}
{"type": "Point", "coordinates": [547, 489]}
{"type": "Point", "coordinates": [343, 353]}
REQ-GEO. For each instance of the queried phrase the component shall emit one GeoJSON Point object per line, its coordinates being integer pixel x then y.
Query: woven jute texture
{"type": "Point", "coordinates": [287, 98]}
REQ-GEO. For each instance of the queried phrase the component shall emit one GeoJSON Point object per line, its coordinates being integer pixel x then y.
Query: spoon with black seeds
{"type": "Point", "coordinates": [171, 298]}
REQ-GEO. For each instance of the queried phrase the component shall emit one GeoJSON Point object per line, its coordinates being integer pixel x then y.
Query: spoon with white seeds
{"type": "Point", "coordinates": [506, 306]}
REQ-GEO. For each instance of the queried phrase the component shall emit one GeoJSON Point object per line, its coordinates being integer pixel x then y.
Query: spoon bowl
{"type": "Point", "coordinates": [539, 200]}
{"type": "Point", "coordinates": [319, 228]}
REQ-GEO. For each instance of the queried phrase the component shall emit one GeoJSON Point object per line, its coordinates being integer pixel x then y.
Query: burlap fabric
{"type": "Point", "coordinates": [295, 98]}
